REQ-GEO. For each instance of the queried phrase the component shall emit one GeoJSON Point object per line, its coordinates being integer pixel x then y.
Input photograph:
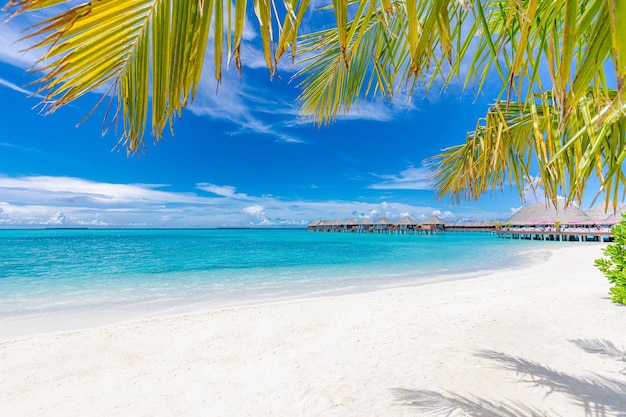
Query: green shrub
{"type": "Point", "coordinates": [615, 266]}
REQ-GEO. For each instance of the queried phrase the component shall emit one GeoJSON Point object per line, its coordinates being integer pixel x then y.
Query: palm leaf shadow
{"type": "Point", "coordinates": [597, 395]}
{"type": "Point", "coordinates": [453, 405]}
{"type": "Point", "coordinates": [602, 347]}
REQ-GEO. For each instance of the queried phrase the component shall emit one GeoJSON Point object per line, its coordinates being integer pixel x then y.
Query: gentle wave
{"type": "Point", "coordinates": [65, 271]}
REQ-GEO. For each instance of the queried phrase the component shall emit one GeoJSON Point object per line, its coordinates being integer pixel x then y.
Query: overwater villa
{"type": "Point", "coordinates": [540, 221]}
{"type": "Point", "coordinates": [544, 221]}
{"type": "Point", "coordinates": [406, 225]}
{"type": "Point", "coordinates": [433, 224]}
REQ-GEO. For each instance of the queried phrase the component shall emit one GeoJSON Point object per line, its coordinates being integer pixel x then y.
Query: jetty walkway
{"type": "Point", "coordinates": [539, 221]}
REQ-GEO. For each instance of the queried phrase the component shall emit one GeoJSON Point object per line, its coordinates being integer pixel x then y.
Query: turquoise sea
{"type": "Point", "coordinates": [60, 272]}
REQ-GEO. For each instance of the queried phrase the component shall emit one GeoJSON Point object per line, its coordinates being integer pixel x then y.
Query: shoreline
{"type": "Point", "coordinates": [543, 339]}
{"type": "Point", "coordinates": [80, 318]}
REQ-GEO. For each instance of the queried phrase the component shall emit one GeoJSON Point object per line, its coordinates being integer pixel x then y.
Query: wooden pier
{"type": "Point", "coordinates": [560, 235]}
{"type": "Point", "coordinates": [539, 221]}
{"type": "Point", "coordinates": [405, 226]}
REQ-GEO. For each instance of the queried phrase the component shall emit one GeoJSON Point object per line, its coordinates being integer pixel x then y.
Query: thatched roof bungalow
{"type": "Point", "coordinates": [546, 214]}
{"type": "Point", "coordinates": [351, 225]}
{"type": "Point", "coordinates": [407, 223]}
{"type": "Point", "coordinates": [615, 217]}
{"type": "Point", "coordinates": [433, 223]}
{"type": "Point", "coordinates": [598, 215]}
{"type": "Point", "coordinates": [338, 225]}
{"type": "Point", "coordinates": [364, 225]}
{"type": "Point", "coordinates": [382, 224]}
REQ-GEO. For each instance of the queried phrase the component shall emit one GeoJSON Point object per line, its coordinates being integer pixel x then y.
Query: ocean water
{"type": "Point", "coordinates": [44, 273]}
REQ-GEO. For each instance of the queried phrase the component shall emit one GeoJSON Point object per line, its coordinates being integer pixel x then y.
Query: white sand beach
{"type": "Point", "coordinates": [544, 340]}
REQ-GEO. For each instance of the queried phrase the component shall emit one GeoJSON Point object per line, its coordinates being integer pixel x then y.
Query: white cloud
{"type": "Point", "coordinates": [259, 217]}
{"type": "Point", "coordinates": [38, 201]}
{"type": "Point", "coordinates": [243, 104]}
{"type": "Point", "coordinates": [222, 190]}
{"type": "Point", "coordinates": [256, 210]}
{"type": "Point", "coordinates": [57, 218]}
{"type": "Point", "coordinates": [12, 51]}
{"type": "Point", "coordinates": [62, 190]}
{"type": "Point", "coordinates": [443, 214]}
{"type": "Point", "coordinates": [410, 179]}
{"type": "Point", "coordinates": [14, 87]}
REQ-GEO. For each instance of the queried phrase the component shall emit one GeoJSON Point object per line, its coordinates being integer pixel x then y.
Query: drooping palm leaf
{"type": "Point", "coordinates": [555, 116]}
{"type": "Point", "coordinates": [504, 147]}
{"type": "Point", "coordinates": [151, 51]}
{"type": "Point", "coordinates": [554, 58]}
{"type": "Point", "coordinates": [391, 47]}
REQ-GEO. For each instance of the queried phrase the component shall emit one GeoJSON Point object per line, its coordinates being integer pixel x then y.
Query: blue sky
{"type": "Point", "coordinates": [239, 158]}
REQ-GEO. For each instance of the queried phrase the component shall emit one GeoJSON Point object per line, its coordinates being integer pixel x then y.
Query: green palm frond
{"type": "Point", "coordinates": [149, 52]}
{"type": "Point", "coordinates": [534, 45]}
{"type": "Point", "coordinates": [555, 59]}
{"type": "Point", "coordinates": [391, 47]}
{"type": "Point", "coordinates": [555, 115]}
{"type": "Point", "coordinates": [506, 145]}
{"type": "Point", "coordinates": [330, 85]}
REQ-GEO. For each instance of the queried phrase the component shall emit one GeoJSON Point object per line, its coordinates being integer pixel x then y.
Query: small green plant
{"type": "Point", "coordinates": [615, 266]}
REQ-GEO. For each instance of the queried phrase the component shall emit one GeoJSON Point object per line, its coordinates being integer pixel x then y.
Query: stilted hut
{"type": "Point", "coordinates": [605, 218]}
{"type": "Point", "coordinates": [433, 224]}
{"type": "Point", "coordinates": [313, 226]}
{"type": "Point", "coordinates": [326, 226]}
{"type": "Point", "coordinates": [351, 225]}
{"type": "Point", "coordinates": [383, 225]}
{"type": "Point", "coordinates": [338, 225]}
{"type": "Point", "coordinates": [364, 225]}
{"type": "Point", "coordinates": [545, 221]}
{"type": "Point", "coordinates": [407, 225]}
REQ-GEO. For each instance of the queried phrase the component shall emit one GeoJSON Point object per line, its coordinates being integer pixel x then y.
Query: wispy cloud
{"type": "Point", "coordinates": [410, 179]}
{"type": "Point", "coordinates": [249, 104]}
{"type": "Point", "coordinates": [12, 51]}
{"type": "Point", "coordinates": [14, 87]}
{"type": "Point", "coordinates": [251, 107]}
{"type": "Point", "coordinates": [46, 200]}
{"type": "Point", "coordinates": [223, 191]}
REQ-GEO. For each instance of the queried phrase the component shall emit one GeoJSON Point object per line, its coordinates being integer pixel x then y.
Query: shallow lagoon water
{"type": "Point", "coordinates": [44, 272]}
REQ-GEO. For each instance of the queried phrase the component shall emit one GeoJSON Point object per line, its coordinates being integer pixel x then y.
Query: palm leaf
{"type": "Point", "coordinates": [554, 58]}
{"type": "Point", "coordinates": [500, 151]}
{"type": "Point", "coordinates": [392, 47]}
{"type": "Point", "coordinates": [128, 44]}
{"type": "Point", "coordinates": [151, 52]}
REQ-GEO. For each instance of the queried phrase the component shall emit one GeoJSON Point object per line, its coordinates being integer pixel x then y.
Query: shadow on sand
{"type": "Point", "coordinates": [452, 405]}
{"type": "Point", "coordinates": [602, 347]}
{"type": "Point", "coordinates": [597, 395]}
